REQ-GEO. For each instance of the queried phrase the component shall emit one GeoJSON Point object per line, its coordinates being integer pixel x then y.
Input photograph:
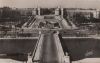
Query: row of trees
{"type": "Point", "coordinates": [80, 17]}
{"type": "Point", "coordinates": [8, 13]}
{"type": "Point", "coordinates": [46, 11]}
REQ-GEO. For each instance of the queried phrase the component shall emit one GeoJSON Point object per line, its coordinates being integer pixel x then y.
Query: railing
{"type": "Point", "coordinates": [37, 50]}
{"type": "Point", "coordinates": [62, 58]}
{"type": "Point", "coordinates": [33, 54]}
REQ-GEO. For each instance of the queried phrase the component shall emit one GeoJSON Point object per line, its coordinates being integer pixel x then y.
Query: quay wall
{"type": "Point", "coordinates": [13, 46]}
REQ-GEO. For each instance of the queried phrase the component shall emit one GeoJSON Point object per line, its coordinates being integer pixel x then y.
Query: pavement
{"type": "Point", "coordinates": [88, 60]}
{"type": "Point", "coordinates": [10, 59]}
{"type": "Point", "coordinates": [49, 52]}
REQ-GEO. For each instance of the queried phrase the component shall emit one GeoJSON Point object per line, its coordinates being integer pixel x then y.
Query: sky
{"type": "Point", "coordinates": [51, 3]}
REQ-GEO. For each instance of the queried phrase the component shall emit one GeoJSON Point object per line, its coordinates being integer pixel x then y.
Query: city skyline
{"type": "Point", "coordinates": [51, 3]}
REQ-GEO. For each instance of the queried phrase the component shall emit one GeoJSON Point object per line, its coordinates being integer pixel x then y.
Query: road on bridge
{"type": "Point", "coordinates": [49, 52]}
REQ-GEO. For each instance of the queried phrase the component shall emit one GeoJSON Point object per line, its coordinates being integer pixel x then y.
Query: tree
{"type": "Point", "coordinates": [5, 12]}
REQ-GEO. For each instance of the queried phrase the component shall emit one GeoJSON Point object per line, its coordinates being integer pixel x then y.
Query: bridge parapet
{"type": "Point", "coordinates": [37, 51]}
{"type": "Point", "coordinates": [62, 57]}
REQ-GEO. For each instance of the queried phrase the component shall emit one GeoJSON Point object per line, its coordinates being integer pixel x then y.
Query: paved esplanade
{"type": "Point", "coordinates": [49, 52]}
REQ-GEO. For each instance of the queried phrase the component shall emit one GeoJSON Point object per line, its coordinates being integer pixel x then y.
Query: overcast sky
{"type": "Point", "coordinates": [51, 3]}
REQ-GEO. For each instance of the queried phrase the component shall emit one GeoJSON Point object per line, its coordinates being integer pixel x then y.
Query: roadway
{"type": "Point", "coordinates": [49, 53]}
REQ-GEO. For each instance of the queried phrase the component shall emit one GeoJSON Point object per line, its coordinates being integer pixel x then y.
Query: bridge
{"type": "Point", "coordinates": [49, 49]}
